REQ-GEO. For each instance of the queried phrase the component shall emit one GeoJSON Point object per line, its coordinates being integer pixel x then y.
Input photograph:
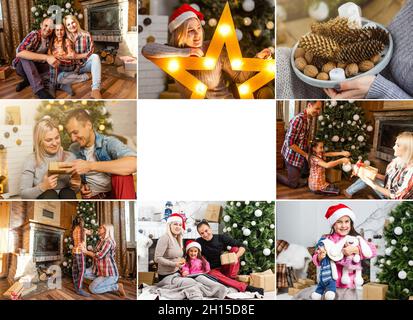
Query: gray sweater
{"type": "Point", "coordinates": [167, 254]}
{"type": "Point", "coordinates": [33, 175]}
{"type": "Point", "coordinates": [395, 82]}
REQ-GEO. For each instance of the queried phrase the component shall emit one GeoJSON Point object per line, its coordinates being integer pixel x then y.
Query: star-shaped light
{"type": "Point", "coordinates": [224, 34]}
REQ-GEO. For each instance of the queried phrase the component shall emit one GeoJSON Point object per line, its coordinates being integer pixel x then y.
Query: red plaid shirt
{"type": "Point", "coordinates": [317, 179]}
{"type": "Point", "coordinates": [31, 43]}
{"type": "Point", "coordinates": [104, 264]}
{"type": "Point", "coordinates": [84, 44]}
{"type": "Point", "coordinates": [297, 134]}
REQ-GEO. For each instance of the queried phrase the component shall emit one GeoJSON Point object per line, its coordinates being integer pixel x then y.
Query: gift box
{"type": "Point", "coordinates": [306, 282]}
{"type": "Point", "coordinates": [146, 278]}
{"type": "Point", "coordinates": [333, 175]}
{"type": "Point", "coordinates": [244, 278]}
{"type": "Point", "coordinates": [213, 212]}
{"type": "Point", "coordinates": [228, 258]}
{"type": "Point", "coordinates": [298, 285]}
{"type": "Point", "coordinates": [293, 291]}
{"type": "Point", "coordinates": [264, 280]}
{"type": "Point", "coordinates": [54, 168]}
{"type": "Point", "coordinates": [375, 291]}
{"type": "Point", "coordinates": [363, 170]}
{"type": "Point", "coordinates": [5, 71]}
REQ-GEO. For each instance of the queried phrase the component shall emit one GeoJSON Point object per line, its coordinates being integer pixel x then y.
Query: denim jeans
{"type": "Point", "coordinates": [360, 185]}
{"type": "Point", "coordinates": [101, 284]}
{"type": "Point", "coordinates": [93, 65]}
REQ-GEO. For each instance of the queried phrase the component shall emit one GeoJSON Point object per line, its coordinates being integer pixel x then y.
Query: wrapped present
{"type": "Point", "coordinates": [375, 291]}
{"type": "Point", "coordinates": [363, 170]}
{"type": "Point", "coordinates": [333, 175]}
{"type": "Point", "coordinates": [243, 278]}
{"type": "Point", "coordinates": [213, 212]}
{"type": "Point", "coordinates": [5, 72]}
{"type": "Point", "coordinates": [298, 285]}
{"type": "Point", "coordinates": [265, 280]}
{"type": "Point", "coordinates": [55, 168]}
{"type": "Point", "coordinates": [293, 291]}
{"type": "Point", "coordinates": [228, 258]}
{"type": "Point", "coordinates": [306, 282]}
{"type": "Point", "coordinates": [146, 278]}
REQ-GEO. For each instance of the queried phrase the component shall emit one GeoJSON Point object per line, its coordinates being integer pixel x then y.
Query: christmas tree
{"type": "Point", "coordinates": [58, 109]}
{"type": "Point", "coordinates": [342, 126]}
{"type": "Point", "coordinates": [397, 263]}
{"type": "Point", "coordinates": [253, 20]}
{"type": "Point", "coordinates": [87, 211]}
{"type": "Point", "coordinates": [43, 9]}
{"type": "Point", "coordinates": [253, 223]}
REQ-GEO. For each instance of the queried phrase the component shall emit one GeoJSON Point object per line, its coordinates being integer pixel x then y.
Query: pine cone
{"type": "Point", "coordinates": [379, 35]}
{"type": "Point", "coordinates": [359, 51]}
{"type": "Point", "coordinates": [320, 46]}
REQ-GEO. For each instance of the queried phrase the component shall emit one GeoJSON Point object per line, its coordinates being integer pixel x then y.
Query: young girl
{"type": "Point", "coordinates": [341, 219]}
{"type": "Point", "coordinates": [79, 244]}
{"type": "Point", "coordinates": [195, 262]}
{"type": "Point", "coordinates": [317, 179]}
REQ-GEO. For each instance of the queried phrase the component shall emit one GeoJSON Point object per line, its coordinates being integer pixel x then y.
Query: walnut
{"type": "Point", "coordinates": [309, 57]}
{"type": "Point", "coordinates": [310, 71]}
{"type": "Point", "coordinates": [341, 65]}
{"type": "Point", "coordinates": [328, 67]}
{"type": "Point", "coordinates": [299, 52]}
{"type": "Point", "coordinates": [352, 69]}
{"type": "Point", "coordinates": [366, 65]}
{"type": "Point", "coordinates": [323, 76]}
{"type": "Point", "coordinates": [300, 63]}
{"type": "Point", "coordinates": [375, 59]}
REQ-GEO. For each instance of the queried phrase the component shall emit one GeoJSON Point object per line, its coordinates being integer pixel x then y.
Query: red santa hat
{"type": "Point", "coordinates": [176, 217]}
{"type": "Point", "coordinates": [192, 244]}
{"type": "Point", "coordinates": [337, 211]}
{"type": "Point", "coordinates": [183, 13]}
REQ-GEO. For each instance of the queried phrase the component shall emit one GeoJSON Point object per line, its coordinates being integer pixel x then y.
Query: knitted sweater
{"type": "Point", "coordinates": [394, 82]}
{"type": "Point", "coordinates": [167, 254]}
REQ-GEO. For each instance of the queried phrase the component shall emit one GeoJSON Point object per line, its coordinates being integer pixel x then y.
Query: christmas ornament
{"type": "Point", "coordinates": [410, 263]}
{"type": "Point", "coordinates": [360, 138]}
{"type": "Point", "coordinates": [247, 21]}
{"type": "Point", "coordinates": [238, 204]}
{"type": "Point", "coordinates": [369, 128]}
{"type": "Point", "coordinates": [245, 242]}
{"type": "Point", "coordinates": [246, 232]}
{"type": "Point", "coordinates": [212, 22]}
{"type": "Point", "coordinates": [266, 252]}
{"type": "Point", "coordinates": [227, 218]}
{"type": "Point", "coordinates": [239, 34]}
{"type": "Point", "coordinates": [257, 204]}
{"type": "Point", "coordinates": [243, 263]}
{"type": "Point", "coordinates": [68, 5]}
{"type": "Point", "coordinates": [60, 127]}
{"type": "Point", "coordinates": [335, 138]}
{"type": "Point", "coordinates": [270, 25]}
{"type": "Point", "coordinates": [356, 117]}
{"type": "Point", "coordinates": [388, 251]}
{"type": "Point", "coordinates": [393, 242]}
{"type": "Point", "coordinates": [248, 5]}
{"type": "Point", "coordinates": [253, 223]}
{"type": "Point", "coordinates": [102, 127]}
{"type": "Point", "coordinates": [391, 219]}
{"type": "Point", "coordinates": [229, 248]}
{"type": "Point", "coordinates": [272, 226]}
{"type": "Point", "coordinates": [258, 213]}
{"type": "Point", "coordinates": [319, 11]}
{"type": "Point", "coordinates": [347, 167]}
{"type": "Point", "coordinates": [234, 225]}
{"type": "Point", "coordinates": [402, 275]}
{"type": "Point", "coordinates": [398, 231]}
{"type": "Point", "coordinates": [405, 249]}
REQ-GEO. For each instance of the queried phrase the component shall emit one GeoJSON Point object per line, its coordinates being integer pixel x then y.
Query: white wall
{"type": "Point", "coordinates": [162, 7]}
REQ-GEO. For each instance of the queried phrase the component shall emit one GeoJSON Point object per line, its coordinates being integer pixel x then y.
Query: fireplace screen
{"type": "Point", "coordinates": [389, 130]}
{"type": "Point", "coordinates": [105, 20]}
{"type": "Point", "coordinates": [46, 243]}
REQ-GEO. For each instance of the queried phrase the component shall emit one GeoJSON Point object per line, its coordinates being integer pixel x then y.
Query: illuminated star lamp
{"type": "Point", "coordinates": [224, 34]}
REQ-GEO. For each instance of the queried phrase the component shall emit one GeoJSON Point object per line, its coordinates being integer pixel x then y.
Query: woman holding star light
{"type": "Point", "coordinates": [186, 40]}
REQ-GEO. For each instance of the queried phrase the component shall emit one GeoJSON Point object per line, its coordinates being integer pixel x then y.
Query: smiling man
{"type": "Point", "coordinates": [105, 163]}
{"type": "Point", "coordinates": [32, 60]}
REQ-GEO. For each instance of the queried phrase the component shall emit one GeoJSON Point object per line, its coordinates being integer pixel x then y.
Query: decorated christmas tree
{"type": "Point", "coordinates": [58, 109]}
{"type": "Point", "coordinates": [87, 211]}
{"type": "Point", "coordinates": [253, 19]}
{"type": "Point", "coordinates": [342, 126]}
{"type": "Point", "coordinates": [397, 263]}
{"type": "Point", "coordinates": [45, 8]}
{"type": "Point", "coordinates": [253, 223]}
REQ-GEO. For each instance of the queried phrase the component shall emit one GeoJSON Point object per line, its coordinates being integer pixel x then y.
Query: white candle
{"type": "Point", "coordinates": [351, 11]}
{"type": "Point", "coordinates": [337, 74]}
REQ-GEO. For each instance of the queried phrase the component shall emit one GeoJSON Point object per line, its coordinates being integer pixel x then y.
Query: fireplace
{"type": "Point", "coordinates": [105, 21]}
{"type": "Point", "coordinates": [388, 125]}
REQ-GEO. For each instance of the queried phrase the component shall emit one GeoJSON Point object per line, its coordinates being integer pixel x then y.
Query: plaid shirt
{"type": "Point", "coordinates": [317, 179]}
{"type": "Point", "coordinates": [399, 180]}
{"type": "Point", "coordinates": [297, 134]}
{"type": "Point", "coordinates": [84, 44]}
{"type": "Point", "coordinates": [77, 240]}
{"type": "Point", "coordinates": [104, 264]}
{"type": "Point", "coordinates": [31, 43]}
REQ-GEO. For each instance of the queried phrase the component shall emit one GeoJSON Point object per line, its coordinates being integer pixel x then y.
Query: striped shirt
{"type": "Point", "coordinates": [32, 42]}
{"type": "Point", "coordinates": [104, 264]}
{"type": "Point", "coordinates": [78, 241]}
{"type": "Point", "coordinates": [84, 44]}
{"type": "Point", "coordinates": [399, 180]}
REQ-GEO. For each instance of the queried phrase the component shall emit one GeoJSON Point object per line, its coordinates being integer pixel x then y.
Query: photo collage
{"type": "Point", "coordinates": [115, 185]}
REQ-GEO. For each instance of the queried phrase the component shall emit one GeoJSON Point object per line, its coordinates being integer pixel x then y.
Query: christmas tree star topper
{"type": "Point", "coordinates": [177, 67]}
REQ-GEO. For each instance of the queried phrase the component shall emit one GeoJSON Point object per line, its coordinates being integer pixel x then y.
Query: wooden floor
{"type": "Point", "coordinates": [112, 87]}
{"type": "Point", "coordinates": [284, 192]}
{"type": "Point", "coordinates": [68, 293]}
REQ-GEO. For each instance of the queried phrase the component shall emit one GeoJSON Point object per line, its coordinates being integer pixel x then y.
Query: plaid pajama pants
{"type": "Point", "coordinates": [78, 270]}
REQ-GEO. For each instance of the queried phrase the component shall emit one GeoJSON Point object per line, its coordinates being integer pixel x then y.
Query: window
{"type": "Point", "coordinates": [130, 209]}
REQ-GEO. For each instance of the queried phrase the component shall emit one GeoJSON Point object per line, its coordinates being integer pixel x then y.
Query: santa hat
{"type": "Point", "coordinates": [176, 217]}
{"type": "Point", "coordinates": [183, 13]}
{"type": "Point", "coordinates": [192, 244]}
{"type": "Point", "coordinates": [336, 212]}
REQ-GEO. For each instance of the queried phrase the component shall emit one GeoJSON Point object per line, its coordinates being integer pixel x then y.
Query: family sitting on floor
{"type": "Point", "coordinates": [96, 165]}
{"type": "Point", "coordinates": [56, 56]}
{"type": "Point", "coordinates": [302, 157]}
{"type": "Point", "coordinates": [198, 273]}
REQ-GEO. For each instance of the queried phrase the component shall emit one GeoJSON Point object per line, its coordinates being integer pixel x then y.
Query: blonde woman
{"type": "Point", "coordinates": [169, 248]}
{"type": "Point", "coordinates": [84, 48]}
{"type": "Point", "coordinates": [104, 272]}
{"type": "Point", "coordinates": [187, 39]}
{"type": "Point", "coordinates": [36, 183]}
{"type": "Point", "coordinates": [397, 183]}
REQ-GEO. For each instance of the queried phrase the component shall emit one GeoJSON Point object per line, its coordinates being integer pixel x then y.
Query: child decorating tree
{"type": "Point", "coordinates": [195, 262]}
{"type": "Point", "coordinates": [337, 248]}
{"type": "Point", "coordinates": [79, 233]}
{"type": "Point", "coordinates": [317, 179]}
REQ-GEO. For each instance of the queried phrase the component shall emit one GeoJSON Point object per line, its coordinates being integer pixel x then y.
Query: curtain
{"type": "Point", "coordinates": [16, 25]}
{"type": "Point", "coordinates": [113, 212]}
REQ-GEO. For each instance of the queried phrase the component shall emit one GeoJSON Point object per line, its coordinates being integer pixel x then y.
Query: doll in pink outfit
{"type": "Point", "coordinates": [195, 262]}
{"type": "Point", "coordinates": [343, 250]}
